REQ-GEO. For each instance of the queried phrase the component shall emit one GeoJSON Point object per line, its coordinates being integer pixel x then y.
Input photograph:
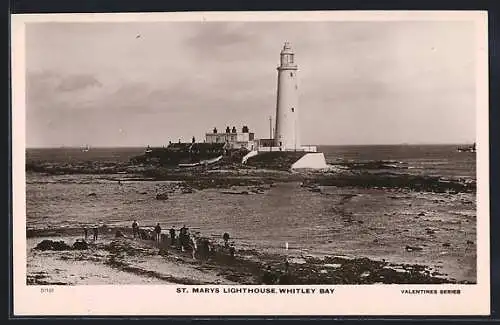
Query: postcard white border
{"type": "Point", "coordinates": [163, 299]}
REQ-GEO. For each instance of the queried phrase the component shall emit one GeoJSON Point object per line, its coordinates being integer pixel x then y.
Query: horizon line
{"type": "Point", "coordinates": [317, 145]}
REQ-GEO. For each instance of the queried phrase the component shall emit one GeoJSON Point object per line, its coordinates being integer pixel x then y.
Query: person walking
{"type": "Point", "coordinates": [226, 239]}
{"type": "Point", "coordinates": [182, 237]}
{"type": "Point", "coordinates": [194, 245]}
{"type": "Point", "coordinates": [172, 236]}
{"type": "Point", "coordinates": [157, 232]}
{"type": "Point", "coordinates": [96, 232]}
{"type": "Point", "coordinates": [135, 228]}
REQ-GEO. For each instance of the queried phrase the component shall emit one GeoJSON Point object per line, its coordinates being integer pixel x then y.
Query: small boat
{"type": "Point", "coordinates": [467, 149]}
{"type": "Point", "coordinates": [85, 148]}
{"type": "Point", "coordinates": [149, 150]}
{"type": "Point", "coordinates": [211, 161]}
{"type": "Point", "coordinates": [202, 163]}
{"type": "Point", "coordinates": [189, 165]}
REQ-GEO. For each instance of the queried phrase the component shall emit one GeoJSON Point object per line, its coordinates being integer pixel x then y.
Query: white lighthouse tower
{"type": "Point", "coordinates": [286, 134]}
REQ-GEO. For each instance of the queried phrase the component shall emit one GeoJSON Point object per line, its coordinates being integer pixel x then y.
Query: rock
{"type": "Point", "coordinates": [80, 245]}
{"type": "Point", "coordinates": [236, 192]}
{"type": "Point", "coordinates": [446, 244]}
{"type": "Point", "coordinates": [413, 248]}
{"type": "Point", "coordinates": [284, 279]}
{"type": "Point", "coordinates": [365, 274]}
{"type": "Point", "coordinates": [430, 231]}
{"type": "Point", "coordinates": [161, 196]}
{"type": "Point", "coordinates": [92, 194]}
{"type": "Point", "coordinates": [470, 242]}
{"type": "Point", "coordinates": [52, 245]}
{"type": "Point", "coordinates": [269, 276]}
{"type": "Point", "coordinates": [119, 234]}
{"type": "Point", "coordinates": [146, 235]}
{"type": "Point", "coordinates": [334, 266]}
{"type": "Point", "coordinates": [421, 214]}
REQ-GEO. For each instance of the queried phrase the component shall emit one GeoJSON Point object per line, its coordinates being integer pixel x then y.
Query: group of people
{"type": "Point", "coordinates": [182, 239]}
{"type": "Point", "coordinates": [156, 231]}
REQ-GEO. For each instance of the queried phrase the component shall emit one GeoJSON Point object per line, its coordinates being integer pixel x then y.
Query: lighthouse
{"type": "Point", "coordinates": [285, 141]}
{"type": "Point", "coordinates": [286, 135]}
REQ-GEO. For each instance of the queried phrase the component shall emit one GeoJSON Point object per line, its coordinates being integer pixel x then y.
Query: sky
{"type": "Point", "coordinates": [145, 83]}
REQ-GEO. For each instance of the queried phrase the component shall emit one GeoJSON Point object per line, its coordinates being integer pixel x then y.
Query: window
{"type": "Point", "coordinates": [293, 109]}
{"type": "Point", "coordinates": [291, 74]}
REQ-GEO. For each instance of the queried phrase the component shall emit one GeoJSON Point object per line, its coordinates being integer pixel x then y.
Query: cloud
{"type": "Point", "coordinates": [180, 79]}
{"type": "Point", "coordinates": [78, 82]}
{"type": "Point", "coordinates": [211, 35]}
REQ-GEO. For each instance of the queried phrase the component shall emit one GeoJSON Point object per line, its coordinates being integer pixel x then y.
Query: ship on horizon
{"type": "Point", "coordinates": [467, 149]}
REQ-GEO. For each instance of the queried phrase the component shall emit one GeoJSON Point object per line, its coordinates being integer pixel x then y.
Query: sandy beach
{"type": "Point", "coordinates": [375, 213]}
{"type": "Point", "coordinates": [128, 260]}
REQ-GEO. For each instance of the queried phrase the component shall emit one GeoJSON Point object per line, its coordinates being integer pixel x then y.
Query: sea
{"type": "Point", "coordinates": [287, 218]}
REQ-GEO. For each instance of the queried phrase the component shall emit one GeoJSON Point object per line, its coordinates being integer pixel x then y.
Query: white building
{"type": "Point", "coordinates": [286, 135]}
{"type": "Point", "coordinates": [232, 138]}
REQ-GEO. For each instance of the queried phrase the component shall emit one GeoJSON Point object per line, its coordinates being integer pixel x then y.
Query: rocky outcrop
{"type": "Point", "coordinates": [80, 245]}
{"type": "Point", "coordinates": [52, 245]}
{"type": "Point", "coordinates": [417, 183]}
{"type": "Point", "coordinates": [277, 160]}
{"type": "Point", "coordinates": [162, 196]}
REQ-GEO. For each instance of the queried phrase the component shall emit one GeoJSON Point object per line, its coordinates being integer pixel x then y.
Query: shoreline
{"type": "Point", "coordinates": [147, 262]}
{"type": "Point", "coordinates": [427, 208]}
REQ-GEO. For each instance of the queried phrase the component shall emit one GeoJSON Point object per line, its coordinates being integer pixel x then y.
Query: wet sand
{"type": "Point", "coordinates": [127, 260]}
{"type": "Point", "coordinates": [376, 222]}
{"type": "Point", "coordinates": [436, 230]}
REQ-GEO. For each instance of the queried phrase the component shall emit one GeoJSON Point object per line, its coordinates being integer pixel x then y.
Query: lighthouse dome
{"type": "Point", "coordinates": [287, 48]}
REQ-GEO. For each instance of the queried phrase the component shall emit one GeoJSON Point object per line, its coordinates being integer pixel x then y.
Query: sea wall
{"type": "Point", "coordinates": [249, 155]}
{"type": "Point", "coordinates": [311, 161]}
{"type": "Point", "coordinates": [276, 160]}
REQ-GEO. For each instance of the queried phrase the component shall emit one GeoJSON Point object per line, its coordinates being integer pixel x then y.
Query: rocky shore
{"type": "Point", "coordinates": [374, 174]}
{"type": "Point", "coordinates": [117, 249]}
{"type": "Point", "coordinates": [391, 210]}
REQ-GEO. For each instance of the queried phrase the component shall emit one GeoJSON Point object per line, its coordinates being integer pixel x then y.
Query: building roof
{"type": "Point", "coordinates": [202, 146]}
{"type": "Point", "coordinates": [287, 48]}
